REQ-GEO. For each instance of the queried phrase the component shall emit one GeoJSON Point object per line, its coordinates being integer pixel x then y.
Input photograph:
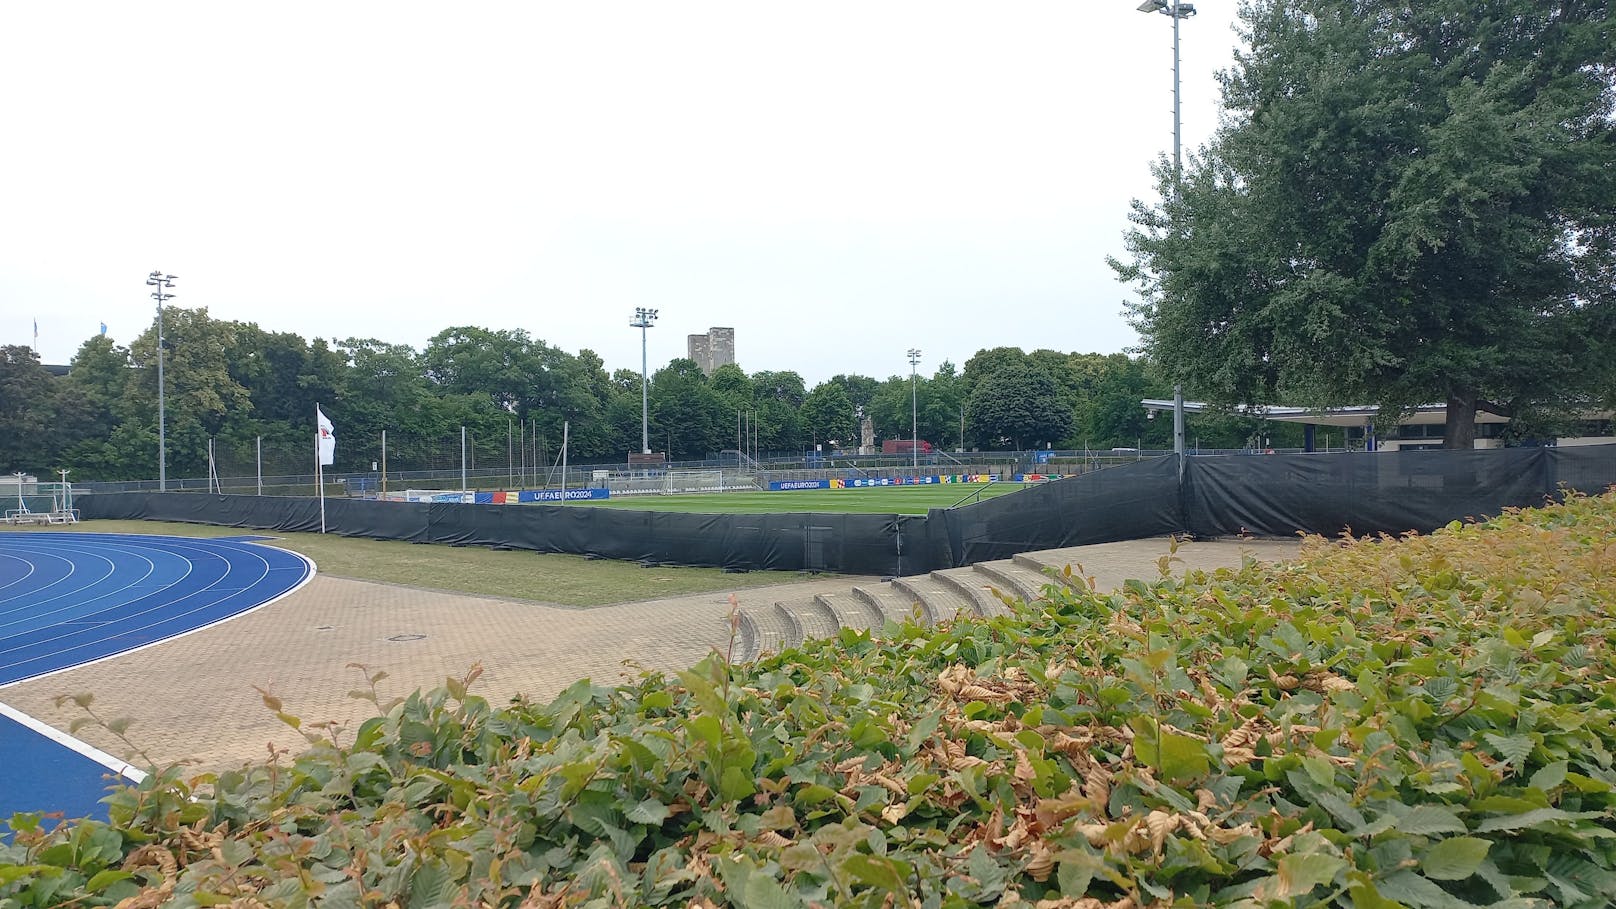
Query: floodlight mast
{"type": "Point", "coordinates": [1176, 10]}
{"type": "Point", "coordinates": [162, 282]}
{"type": "Point", "coordinates": [914, 412]}
{"type": "Point", "coordinates": [644, 319]}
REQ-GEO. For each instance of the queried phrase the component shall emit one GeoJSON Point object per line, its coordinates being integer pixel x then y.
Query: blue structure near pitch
{"type": "Point", "coordinates": [68, 599]}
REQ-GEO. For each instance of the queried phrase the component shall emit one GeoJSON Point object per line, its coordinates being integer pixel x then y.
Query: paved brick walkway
{"type": "Point", "coordinates": [193, 698]}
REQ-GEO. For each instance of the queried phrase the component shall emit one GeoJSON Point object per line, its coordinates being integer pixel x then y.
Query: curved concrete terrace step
{"type": "Point", "coordinates": [969, 590]}
{"type": "Point", "coordinates": [1014, 579]}
{"type": "Point", "coordinates": [807, 619]}
{"type": "Point", "coordinates": [1112, 564]}
{"type": "Point", "coordinates": [895, 605]}
{"type": "Point", "coordinates": [1049, 572]}
{"type": "Point", "coordinates": [763, 630]}
{"type": "Point", "coordinates": [943, 600]}
{"type": "Point", "coordinates": [852, 612]}
{"type": "Point", "coordinates": [968, 583]}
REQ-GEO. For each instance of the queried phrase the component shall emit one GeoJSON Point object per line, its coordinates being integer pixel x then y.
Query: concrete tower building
{"type": "Point", "coordinates": [713, 349]}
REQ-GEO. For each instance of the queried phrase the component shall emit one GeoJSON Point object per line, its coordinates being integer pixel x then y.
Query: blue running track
{"type": "Point", "coordinates": [68, 599]}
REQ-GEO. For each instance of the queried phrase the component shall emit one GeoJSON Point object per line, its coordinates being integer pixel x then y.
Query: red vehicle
{"type": "Point", "coordinates": [904, 446]}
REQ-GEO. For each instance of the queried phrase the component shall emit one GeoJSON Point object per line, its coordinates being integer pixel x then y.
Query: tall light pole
{"type": "Point", "coordinates": [162, 282]}
{"type": "Point", "coordinates": [914, 411]}
{"type": "Point", "coordinates": [1176, 10]}
{"type": "Point", "coordinates": [643, 319]}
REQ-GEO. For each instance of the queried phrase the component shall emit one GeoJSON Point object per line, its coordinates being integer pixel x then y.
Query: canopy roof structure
{"type": "Point", "coordinates": [1355, 416]}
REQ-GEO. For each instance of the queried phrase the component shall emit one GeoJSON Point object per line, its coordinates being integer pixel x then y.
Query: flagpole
{"type": "Point", "coordinates": [319, 472]}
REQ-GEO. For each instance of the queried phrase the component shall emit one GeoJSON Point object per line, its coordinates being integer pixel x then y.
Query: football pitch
{"type": "Point", "coordinates": [861, 500]}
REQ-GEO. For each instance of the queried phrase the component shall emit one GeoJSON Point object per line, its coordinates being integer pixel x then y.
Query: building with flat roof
{"type": "Point", "coordinates": [1420, 428]}
{"type": "Point", "coordinates": [713, 349]}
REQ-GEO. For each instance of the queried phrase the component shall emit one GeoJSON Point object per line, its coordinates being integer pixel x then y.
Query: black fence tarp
{"type": "Point", "coordinates": [841, 543]}
{"type": "Point", "coordinates": [1119, 503]}
{"type": "Point", "coordinates": [1380, 492]}
{"type": "Point", "coordinates": [1589, 469]}
{"type": "Point", "coordinates": [1266, 495]}
{"type": "Point", "coordinates": [1366, 492]}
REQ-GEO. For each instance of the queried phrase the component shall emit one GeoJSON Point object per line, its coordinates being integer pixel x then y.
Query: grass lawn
{"type": "Point", "coordinates": [877, 500]}
{"type": "Point", "coordinates": [546, 577]}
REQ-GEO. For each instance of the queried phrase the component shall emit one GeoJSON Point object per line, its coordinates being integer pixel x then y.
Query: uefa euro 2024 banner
{"type": "Point", "coordinates": [861, 482]}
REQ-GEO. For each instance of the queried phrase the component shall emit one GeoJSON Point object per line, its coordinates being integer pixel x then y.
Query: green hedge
{"type": "Point", "coordinates": [1423, 722]}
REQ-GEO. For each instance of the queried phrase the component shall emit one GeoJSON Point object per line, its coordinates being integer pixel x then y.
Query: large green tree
{"type": "Point", "coordinates": [26, 410]}
{"type": "Point", "coordinates": [1017, 406]}
{"type": "Point", "coordinates": [1406, 203]}
{"type": "Point", "coordinates": [688, 418]}
{"type": "Point", "coordinates": [828, 416]}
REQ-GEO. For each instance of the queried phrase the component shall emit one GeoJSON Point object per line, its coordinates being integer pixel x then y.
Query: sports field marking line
{"type": "Point", "coordinates": [121, 767]}
{"type": "Point", "coordinates": [307, 577]}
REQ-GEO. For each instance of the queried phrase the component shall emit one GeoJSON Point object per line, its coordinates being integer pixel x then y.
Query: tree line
{"type": "Point", "coordinates": [242, 386]}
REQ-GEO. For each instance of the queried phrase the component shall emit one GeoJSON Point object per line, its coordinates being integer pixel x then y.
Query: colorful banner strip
{"type": "Point", "coordinates": [554, 495]}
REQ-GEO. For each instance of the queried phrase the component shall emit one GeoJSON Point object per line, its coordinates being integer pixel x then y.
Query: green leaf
{"type": "Point", "coordinates": [104, 879]}
{"type": "Point", "coordinates": [813, 794]}
{"type": "Point", "coordinates": [1409, 889]}
{"type": "Point", "coordinates": [1299, 874]}
{"type": "Point", "coordinates": [877, 871]}
{"type": "Point", "coordinates": [1550, 776]}
{"type": "Point", "coordinates": [1524, 820]}
{"type": "Point", "coordinates": [736, 784]}
{"type": "Point", "coordinates": [764, 892]}
{"type": "Point", "coordinates": [431, 885]}
{"type": "Point", "coordinates": [1178, 757]}
{"type": "Point", "coordinates": [649, 811]}
{"type": "Point", "coordinates": [1455, 858]}
{"type": "Point", "coordinates": [1425, 820]}
{"type": "Point", "coordinates": [1513, 748]}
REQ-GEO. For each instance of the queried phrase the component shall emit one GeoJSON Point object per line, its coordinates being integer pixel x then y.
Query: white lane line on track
{"type": "Point", "coordinates": [25, 575]}
{"type": "Point", "coordinates": [308, 575]}
{"type": "Point", "coordinates": [30, 609]}
{"type": "Point", "coordinates": [123, 768]}
{"type": "Point", "coordinates": [151, 570]}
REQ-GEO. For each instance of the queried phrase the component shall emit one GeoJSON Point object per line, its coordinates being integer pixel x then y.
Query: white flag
{"type": "Point", "coordinates": [326, 441]}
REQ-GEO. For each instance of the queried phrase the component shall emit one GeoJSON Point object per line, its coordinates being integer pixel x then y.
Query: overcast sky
{"type": "Point", "coordinates": [838, 181]}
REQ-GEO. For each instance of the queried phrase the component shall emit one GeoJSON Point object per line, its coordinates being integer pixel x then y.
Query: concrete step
{"type": "Point", "coordinates": [807, 619]}
{"type": "Point", "coordinates": [1015, 579]}
{"type": "Point", "coordinates": [968, 583]}
{"type": "Point", "coordinates": [852, 612]}
{"type": "Point", "coordinates": [1038, 562]}
{"type": "Point", "coordinates": [942, 599]}
{"type": "Point", "coordinates": [894, 604]}
{"type": "Point", "coordinates": [763, 630]}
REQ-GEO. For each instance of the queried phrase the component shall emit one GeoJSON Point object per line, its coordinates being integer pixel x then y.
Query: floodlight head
{"type": "Point", "coordinates": [1153, 6]}
{"type": "Point", "coordinates": [1184, 10]}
